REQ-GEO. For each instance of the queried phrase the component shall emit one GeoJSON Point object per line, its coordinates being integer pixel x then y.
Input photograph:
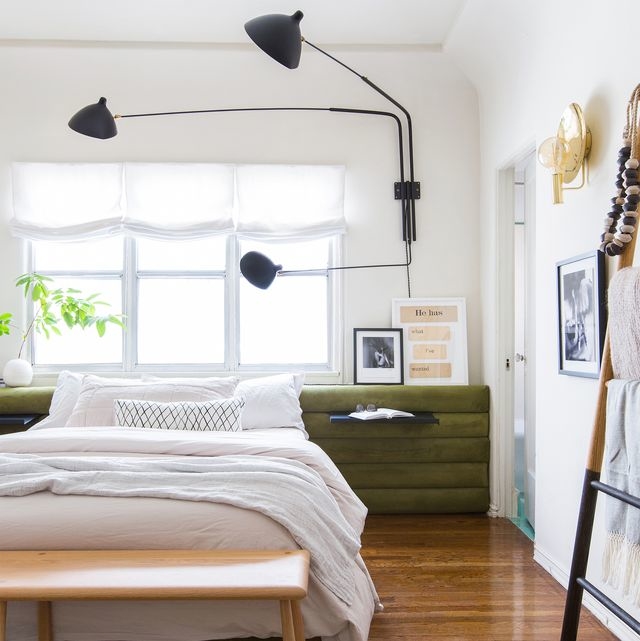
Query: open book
{"type": "Point", "coordinates": [381, 412]}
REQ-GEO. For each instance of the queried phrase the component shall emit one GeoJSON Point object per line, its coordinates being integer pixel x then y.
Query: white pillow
{"type": "Point", "coordinates": [95, 401]}
{"type": "Point", "coordinates": [65, 395]}
{"type": "Point", "coordinates": [218, 416]}
{"type": "Point", "coordinates": [271, 401]}
{"type": "Point", "coordinates": [63, 400]}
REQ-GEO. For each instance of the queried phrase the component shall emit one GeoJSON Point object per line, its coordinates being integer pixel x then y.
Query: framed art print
{"type": "Point", "coordinates": [377, 356]}
{"type": "Point", "coordinates": [435, 340]}
{"type": "Point", "coordinates": [581, 314]}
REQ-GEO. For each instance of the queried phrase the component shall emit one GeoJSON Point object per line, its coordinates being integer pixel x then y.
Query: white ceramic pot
{"type": "Point", "coordinates": [17, 373]}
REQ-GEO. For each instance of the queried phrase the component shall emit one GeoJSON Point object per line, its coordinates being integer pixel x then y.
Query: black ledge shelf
{"type": "Point", "coordinates": [420, 417]}
{"type": "Point", "coordinates": [18, 419]}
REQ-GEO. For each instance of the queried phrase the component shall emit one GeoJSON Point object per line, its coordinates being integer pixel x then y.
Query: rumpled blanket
{"type": "Point", "coordinates": [287, 491]}
{"type": "Point", "coordinates": [621, 561]}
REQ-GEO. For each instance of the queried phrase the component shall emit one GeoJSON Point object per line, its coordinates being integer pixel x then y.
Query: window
{"type": "Point", "coordinates": [188, 308]}
{"type": "Point", "coordinates": [161, 243]}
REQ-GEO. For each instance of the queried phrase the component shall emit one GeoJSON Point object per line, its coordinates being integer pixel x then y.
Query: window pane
{"type": "Point", "coordinates": [181, 320]}
{"type": "Point", "coordinates": [94, 255]}
{"type": "Point", "coordinates": [195, 255]}
{"type": "Point", "coordinates": [285, 324]}
{"type": "Point", "coordinates": [78, 346]}
{"type": "Point", "coordinates": [313, 254]}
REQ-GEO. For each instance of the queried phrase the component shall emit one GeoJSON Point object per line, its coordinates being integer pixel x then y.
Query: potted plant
{"type": "Point", "coordinates": [52, 306]}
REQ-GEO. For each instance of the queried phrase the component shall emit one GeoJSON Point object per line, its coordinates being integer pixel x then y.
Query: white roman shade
{"type": "Point", "coordinates": [290, 201]}
{"type": "Point", "coordinates": [69, 201]}
{"type": "Point", "coordinates": [66, 200]}
{"type": "Point", "coordinates": [178, 200]}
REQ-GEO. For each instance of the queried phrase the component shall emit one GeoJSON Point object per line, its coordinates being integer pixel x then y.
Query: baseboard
{"type": "Point", "coordinates": [607, 619]}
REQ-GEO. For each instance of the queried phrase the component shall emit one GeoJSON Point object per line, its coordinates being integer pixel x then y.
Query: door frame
{"type": "Point", "coordinates": [505, 497]}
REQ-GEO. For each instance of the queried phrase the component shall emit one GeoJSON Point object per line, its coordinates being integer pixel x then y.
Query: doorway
{"type": "Point", "coordinates": [524, 462]}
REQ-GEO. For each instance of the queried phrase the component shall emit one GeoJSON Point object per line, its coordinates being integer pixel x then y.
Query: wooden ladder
{"type": "Point", "coordinates": [591, 486]}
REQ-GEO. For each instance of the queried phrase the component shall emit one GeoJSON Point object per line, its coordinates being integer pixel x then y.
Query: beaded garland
{"type": "Point", "coordinates": [619, 233]}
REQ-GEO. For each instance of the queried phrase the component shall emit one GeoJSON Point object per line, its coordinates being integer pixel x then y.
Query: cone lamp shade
{"type": "Point", "coordinates": [95, 121]}
{"type": "Point", "coordinates": [278, 35]}
{"type": "Point", "coordinates": [258, 269]}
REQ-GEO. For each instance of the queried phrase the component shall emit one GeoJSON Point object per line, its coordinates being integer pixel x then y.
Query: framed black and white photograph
{"type": "Point", "coordinates": [581, 314]}
{"type": "Point", "coordinates": [377, 356]}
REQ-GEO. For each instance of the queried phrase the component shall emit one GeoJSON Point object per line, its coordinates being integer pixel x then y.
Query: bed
{"type": "Point", "coordinates": [95, 475]}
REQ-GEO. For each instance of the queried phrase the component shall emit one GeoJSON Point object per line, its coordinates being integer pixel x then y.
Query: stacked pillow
{"type": "Point", "coordinates": [271, 401]}
{"type": "Point", "coordinates": [212, 403]}
{"type": "Point", "coordinates": [95, 402]}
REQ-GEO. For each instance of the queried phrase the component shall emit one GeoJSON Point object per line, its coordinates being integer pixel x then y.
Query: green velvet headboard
{"type": "Point", "coordinates": [400, 468]}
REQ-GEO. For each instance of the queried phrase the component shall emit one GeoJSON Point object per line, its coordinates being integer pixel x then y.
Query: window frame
{"type": "Point", "coordinates": [129, 277]}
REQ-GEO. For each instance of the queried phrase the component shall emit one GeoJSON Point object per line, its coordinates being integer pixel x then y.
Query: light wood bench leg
{"type": "Point", "coordinates": [298, 623]}
{"type": "Point", "coordinates": [45, 627]}
{"type": "Point", "coordinates": [3, 620]}
{"type": "Point", "coordinates": [288, 630]}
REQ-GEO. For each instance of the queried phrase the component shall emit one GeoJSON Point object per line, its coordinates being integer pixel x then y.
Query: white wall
{"type": "Point", "coordinates": [528, 60]}
{"type": "Point", "coordinates": [44, 84]}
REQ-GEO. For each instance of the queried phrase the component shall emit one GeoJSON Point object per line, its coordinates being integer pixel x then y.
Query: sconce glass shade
{"type": "Point", "coordinates": [278, 35]}
{"type": "Point", "coordinates": [552, 154]}
{"type": "Point", "coordinates": [259, 270]}
{"type": "Point", "coordinates": [95, 121]}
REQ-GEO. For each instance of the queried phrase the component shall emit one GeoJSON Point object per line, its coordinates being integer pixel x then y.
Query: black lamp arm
{"type": "Point", "coordinates": [413, 188]}
{"type": "Point", "coordinates": [408, 216]}
{"type": "Point", "coordinates": [324, 270]}
{"type": "Point", "coordinates": [349, 110]}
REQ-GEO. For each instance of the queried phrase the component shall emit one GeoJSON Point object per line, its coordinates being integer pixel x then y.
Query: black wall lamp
{"type": "Point", "coordinates": [279, 36]}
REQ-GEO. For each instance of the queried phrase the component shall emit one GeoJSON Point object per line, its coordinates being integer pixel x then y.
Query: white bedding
{"type": "Point", "coordinates": [45, 520]}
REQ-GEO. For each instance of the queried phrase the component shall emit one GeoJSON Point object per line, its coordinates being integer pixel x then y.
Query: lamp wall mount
{"type": "Point", "coordinates": [406, 190]}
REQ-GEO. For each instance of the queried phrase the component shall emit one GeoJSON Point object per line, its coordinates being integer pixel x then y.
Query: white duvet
{"type": "Point", "coordinates": [138, 518]}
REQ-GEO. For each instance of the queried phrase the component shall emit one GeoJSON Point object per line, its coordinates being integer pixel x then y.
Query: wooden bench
{"type": "Point", "coordinates": [47, 576]}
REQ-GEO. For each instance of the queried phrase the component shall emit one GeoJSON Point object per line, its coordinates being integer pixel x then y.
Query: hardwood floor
{"type": "Point", "coordinates": [463, 578]}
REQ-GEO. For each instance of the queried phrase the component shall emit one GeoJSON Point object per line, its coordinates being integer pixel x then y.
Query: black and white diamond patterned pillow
{"type": "Point", "coordinates": [219, 416]}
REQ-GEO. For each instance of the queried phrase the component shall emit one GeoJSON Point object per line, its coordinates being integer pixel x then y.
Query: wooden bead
{"type": "Point", "coordinates": [630, 220]}
{"type": "Point", "coordinates": [625, 238]}
{"type": "Point", "coordinates": [634, 189]}
{"type": "Point", "coordinates": [627, 229]}
{"type": "Point", "coordinates": [613, 250]}
{"type": "Point", "coordinates": [632, 163]}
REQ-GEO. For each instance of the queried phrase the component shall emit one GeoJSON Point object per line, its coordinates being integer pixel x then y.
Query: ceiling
{"type": "Point", "coordinates": [342, 22]}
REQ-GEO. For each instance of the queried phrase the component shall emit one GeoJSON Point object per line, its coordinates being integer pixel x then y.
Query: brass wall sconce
{"type": "Point", "coordinates": [566, 153]}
